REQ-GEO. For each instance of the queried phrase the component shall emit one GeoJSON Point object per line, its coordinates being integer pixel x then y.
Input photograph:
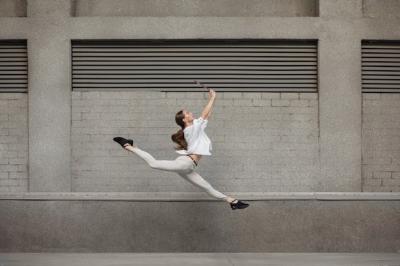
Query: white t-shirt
{"type": "Point", "coordinates": [197, 140]}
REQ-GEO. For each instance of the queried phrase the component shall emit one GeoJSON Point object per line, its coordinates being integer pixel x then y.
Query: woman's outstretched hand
{"type": "Point", "coordinates": [211, 92]}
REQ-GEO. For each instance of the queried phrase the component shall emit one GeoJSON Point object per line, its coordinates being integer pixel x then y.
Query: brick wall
{"type": "Point", "coordinates": [381, 142]}
{"type": "Point", "coordinates": [13, 142]}
{"type": "Point", "coordinates": [261, 141]}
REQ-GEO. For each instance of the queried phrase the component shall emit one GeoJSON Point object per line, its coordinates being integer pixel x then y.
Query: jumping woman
{"type": "Point", "coordinates": [193, 143]}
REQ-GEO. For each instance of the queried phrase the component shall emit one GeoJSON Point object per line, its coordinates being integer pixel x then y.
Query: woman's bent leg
{"type": "Point", "coordinates": [167, 165]}
{"type": "Point", "coordinates": [199, 181]}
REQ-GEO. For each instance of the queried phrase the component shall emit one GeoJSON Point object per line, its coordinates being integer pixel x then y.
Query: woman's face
{"type": "Point", "coordinates": [188, 116]}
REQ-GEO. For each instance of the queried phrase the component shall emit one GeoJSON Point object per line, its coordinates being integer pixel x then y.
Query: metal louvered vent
{"type": "Point", "coordinates": [380, 66]}
{"type": "Point", "coordinates": [13, 66]}
{"type": "Point", "coordinates": [172, 65]}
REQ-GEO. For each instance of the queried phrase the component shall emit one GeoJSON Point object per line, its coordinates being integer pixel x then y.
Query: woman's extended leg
{"type": "Point", "coordinates": [166, 165]}
{"type": "Point", "coordinates": [199, 181]}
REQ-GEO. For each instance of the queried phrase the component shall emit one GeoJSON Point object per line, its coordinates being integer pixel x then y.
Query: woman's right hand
{"type": "Point", "coordinates": [211, 93]}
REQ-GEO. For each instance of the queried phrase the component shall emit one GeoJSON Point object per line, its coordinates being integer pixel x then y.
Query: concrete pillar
{"type": "Point", "coordinates": [49, 96]}
{"type": "Point", "coordinates": [340, 100]}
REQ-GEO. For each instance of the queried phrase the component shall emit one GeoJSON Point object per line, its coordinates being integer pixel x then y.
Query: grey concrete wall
{"type": "Point", "coordinates": [381, 142]}
{"type": "Point", "coordinates": [49, 29]}
{"type": "Point", "coordinates": [266, 226]}
{"type": "Point", "coordinates": [261, 141]}
{"type": "Point", "coordinates": [13, 8]}
{"type": "Point", "coordinates": [381, 8]}
{"type": "Point", "coordinates": [188, 8]}
{"type": "Point", "coordinates": [49, 88]}
{"type": "Point", "coordinates": [13, 142]}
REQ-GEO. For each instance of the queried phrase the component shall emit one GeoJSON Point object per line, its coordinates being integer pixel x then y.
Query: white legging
{"type": "Point", "coordinates": [183, 166]}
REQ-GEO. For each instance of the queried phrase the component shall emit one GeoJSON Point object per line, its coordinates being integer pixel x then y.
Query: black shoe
{"type": "Point", "coordinates": [123, 141]}
{"type": "Point", "coordinates": [238, 205]}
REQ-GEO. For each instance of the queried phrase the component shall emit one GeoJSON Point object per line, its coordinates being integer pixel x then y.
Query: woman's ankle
{"type": "Point", "coordinates": [229, 199]}
{"type": "Point", "coordinates": [130, 148]}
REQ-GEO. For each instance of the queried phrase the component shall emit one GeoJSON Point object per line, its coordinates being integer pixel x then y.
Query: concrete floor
{"type": "Point", "coordinates": [203, 259]}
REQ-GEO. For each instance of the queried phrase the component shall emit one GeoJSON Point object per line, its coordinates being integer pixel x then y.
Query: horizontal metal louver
{"type": "Point", "coordinates": [13, 66]}
{"type": "Point", "coordinates": [380, 66]}
{"type": "Point", "coordinates": [172, 65]}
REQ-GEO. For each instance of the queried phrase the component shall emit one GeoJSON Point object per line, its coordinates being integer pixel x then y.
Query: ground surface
{"type": "Point", "coordinates": [203, 259]}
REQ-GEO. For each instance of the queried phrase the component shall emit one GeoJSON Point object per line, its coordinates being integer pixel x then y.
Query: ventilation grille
{"type": "Point", "coordinates": [380, 66]}
{"type": "Point", "coordinates": [172, 65]}
{"type": "Point", "coordinates": [13, 66]}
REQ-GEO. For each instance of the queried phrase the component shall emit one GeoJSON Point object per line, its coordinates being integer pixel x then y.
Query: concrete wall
{"type": "Point", "coordinates": [13, 142]}
{"type": "Point", "coordinates": [307, 144]}
{"type": "Point", "coordinates": [13, 8]}
{"type": "Point", "coordinates": [189, 8]}
{"type": "Point", "coordinates": [70, 144]}
{"type": "Point", "coordinates": [381, 8]}
{"type": "Point", "coordinates": [381, 142]}
{"type": "Point", "coordinates": [261, 141]}
{"type": "Point", "coordinates": [266, 226]}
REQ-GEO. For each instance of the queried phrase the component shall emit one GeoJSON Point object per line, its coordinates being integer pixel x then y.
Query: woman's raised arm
{"type": "Point", "coordinates": [211, 98]}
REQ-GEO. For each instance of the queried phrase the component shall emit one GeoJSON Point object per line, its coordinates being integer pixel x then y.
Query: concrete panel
{"type": "Point", "coordinates": [340, 8]}
{"type": "Point", "coordinates": [49, 99]}
{"type": "Point", "coordinates": [381, 8]}
{"type": "Point", "coordinates": [49, 8]}
{"type": "Point", "coordinates": [265, 226]}
{"type": "Point", "coordinates": [340, 109]}
{"type": "Point", "coordinates": [188, 8]}
{"type": "Point", "coordinates": [13, 8]}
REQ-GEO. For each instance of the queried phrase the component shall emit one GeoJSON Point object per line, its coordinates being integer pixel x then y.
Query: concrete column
{"type": "Point", "coordinates": [49, 96]}
{"type": "Point", "coordinates": [340, 99]}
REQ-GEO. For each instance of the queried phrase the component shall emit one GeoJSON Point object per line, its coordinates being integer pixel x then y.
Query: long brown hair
{"type": "Point", "coordinates": [179, 137]}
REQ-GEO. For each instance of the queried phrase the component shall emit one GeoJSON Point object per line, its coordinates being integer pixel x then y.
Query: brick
{"type": "Point", "coordinates": [242, 102]}
{"type": "Point", "coordinates": [310, 96]}
{"type": "Point", "coordinates": [290, 95]}
{"type": "Point", "coordinates": [390, 97]}
{"type": "Point", "coordinates": [4, 175]}
{"type": "Point", "coordinates": [18, 175]}
{"type": "Point", "coordinates": [18, 161]}
{"type": "Point", "coordinates": [270, 95]}
{"type": "Point", "coordinates": [371, 96]}
{"type": "Point", "coordinates": [232, 95]}
{"type": "Point", "coordinates": [395, 174]}
{"type": "Point", "coordinates": [9, 139]}
{"type": "Point", "coordinates": [382, 174]}
{"type": "Point", "coordinates": [3, 117]}
{"type": "Point", "coordinates": [299, 103]}
{"type": "Point", "coordinates": [389, 182]}
{"type": "Point", "coordinates": [264, 102]}
{"type": "Point", "coordinates": [373, 182]}
{"type": "Point", "coordinates": [252, 95]}
{"type": "Point", "coordinates": [9, 182]}
{"type": "Point", "coordinates": [276, 102]}
{"type": "Point", "coordinates": [90, 95]}
{"type": "Point", "coordinates": [76, 95]}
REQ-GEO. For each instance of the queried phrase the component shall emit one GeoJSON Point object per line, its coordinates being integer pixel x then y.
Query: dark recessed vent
{"type": "Point", "coordinates": [380, 66]}
{"type": "Point", "coordinates": [172, 65]}
{"type": "Point", "coordinates": [13, 66]}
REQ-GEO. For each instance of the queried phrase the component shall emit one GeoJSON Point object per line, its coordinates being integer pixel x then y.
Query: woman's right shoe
{"type": "Point", "coordinates": [238, 205]}
{"type": "Point", "coordinates": [123, 141]}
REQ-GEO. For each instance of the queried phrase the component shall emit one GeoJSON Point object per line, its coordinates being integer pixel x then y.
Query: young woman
{"type": "Point", "coordinates": [193, 143]}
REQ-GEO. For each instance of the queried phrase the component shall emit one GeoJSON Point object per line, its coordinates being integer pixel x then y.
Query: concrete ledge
{"type": "Point", "coordinates": [266, 226]}
{"type": "Point", "coordinates": [199, 196]}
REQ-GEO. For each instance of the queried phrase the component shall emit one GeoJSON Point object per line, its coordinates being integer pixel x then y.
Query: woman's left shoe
{"type": "Point", "coordinates": [238, 205]}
